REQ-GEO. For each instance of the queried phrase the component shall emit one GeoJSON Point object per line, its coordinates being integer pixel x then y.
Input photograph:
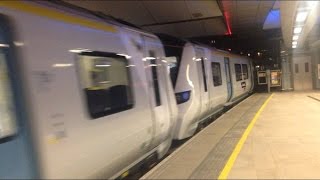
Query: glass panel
{"type": "Point", "coordinates": [245, 71]}
{"type": "Point", "coordinates": [204, 75]}
{"type": "Point", "coordinates": [173, 48]}
{"type": "Point", "coordinates": [155, 78]}
{"type": "Point", "coordinates": [8, 126]}
{"type": "Point", "coordinates": [306, 66]}
{"type": "Point", "coordinates": [216, 74]}
{"type": "Point", "coordinates": [237, 68]}
{"type": "Point", "coordinates": [106, 83]}
{"type": "Point", "coordinates": [173, 68]}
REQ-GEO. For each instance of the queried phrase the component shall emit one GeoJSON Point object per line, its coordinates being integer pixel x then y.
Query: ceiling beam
{"type": "Point", "coordinates": [182, 21]}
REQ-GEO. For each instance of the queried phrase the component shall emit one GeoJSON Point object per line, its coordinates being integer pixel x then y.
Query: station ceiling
{"type": "Point", "coordinates": [187, 18]}
{"type": "Point", "coordinates": [243, 20]}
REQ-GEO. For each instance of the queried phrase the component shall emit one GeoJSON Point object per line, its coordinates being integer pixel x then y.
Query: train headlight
{"type": "Point", "coordinates": [182, 97]}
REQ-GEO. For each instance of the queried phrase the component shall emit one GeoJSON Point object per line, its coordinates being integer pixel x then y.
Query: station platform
{"type": "Point", "coordinates": [266, 136]}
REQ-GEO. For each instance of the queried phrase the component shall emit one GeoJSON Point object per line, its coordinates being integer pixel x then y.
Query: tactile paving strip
{"type": "Point", "coordinates": [204, 155]}
{"type": "Point", "coordinates": [211, 167]}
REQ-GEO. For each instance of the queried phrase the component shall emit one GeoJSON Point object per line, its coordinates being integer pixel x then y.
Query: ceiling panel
{"type": "Point", "coordinates": [166, 29]}
{"type": "Point", "coordinates": [205, 7]}
{"type": "Point", "coordinates": [246, 16]}
{"type": "Point", "coordinates": [190, 29]}
{"type": "Point", "coordinates": [131, 11]}
{"type": "Point", "coordinates": [178, 17]}
{"type": "Point", "coordinates": [162, 11]}
{"type": "Point", "coordinates": [214, 27]}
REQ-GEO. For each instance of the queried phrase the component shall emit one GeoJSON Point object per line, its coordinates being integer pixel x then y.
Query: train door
{"type": "Point", "coordinates": [157, 84]}
{"type": "Point", "coordinates": [228, 77]}
{"type": "Point", "coordinates": [16, 160]}
{"type": "Point", "coordinates": [138, 143]}
{"type": "Point", "coordinates": [204, 95]}
{"type": "Point", "coordinates": [302, 73]}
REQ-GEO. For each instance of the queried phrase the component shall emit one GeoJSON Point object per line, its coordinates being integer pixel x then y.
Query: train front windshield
{"type": "Point", "coordinates": [7, 110]}
{"type": "Point", "coordinates": [173, 48]}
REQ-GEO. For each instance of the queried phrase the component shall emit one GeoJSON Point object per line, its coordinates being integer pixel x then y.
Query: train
{"type": "Point", "coordinates": [90, 97]}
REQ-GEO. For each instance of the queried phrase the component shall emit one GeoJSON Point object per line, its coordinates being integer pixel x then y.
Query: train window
{"type": "Point", "coordinates": [216, 74]}
{"type": "Point", "coordinates": [154, 66]}
{"type": "Point", "coordinates": [173, 48]}
{"type": "Point", "coordinates": [173, 66]}
{"type": "Point", "coordinates": [106, 83]}
{"type": "Point", "coordinates": [237, 68]}
{"type": "Point", "coordinates": [306, 67]}
{"type": "Point", "coordinates": [245, 71]}
{"type": "Point", "coordinates": [8, 126]}
{"type": "Point", "coordinates": [204, 75]}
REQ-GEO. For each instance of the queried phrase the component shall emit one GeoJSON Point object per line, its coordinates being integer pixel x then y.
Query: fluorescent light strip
{"type": "Point", "coordinates": [297, 30]}
{"type": "Point", "coordinates": [301, 16]}
{"type": "Point", "coordinates": [4, 45]}
{"type": "Point", "coordinates": [294, 43]}
{"type": "Point", "coordinates": [295, 37]}
{"type": "Point", "coordinates": [103, 65]}
{"type": "Point", "coordinates": [62, 65]}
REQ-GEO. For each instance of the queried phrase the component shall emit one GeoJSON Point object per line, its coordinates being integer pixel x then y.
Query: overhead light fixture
{"type": "Point", "coordinates": [17, 43]}
{"type": "Point", "coordinates": [62, 65]}
{"type": "Point", "coordinates": [294, 46]}
{"type": "Point", "coordinates": [301, 16]}
{"type": "Point", "coordinates": [249, 54]}
{"type": "Point", "coordinates": [297, 30]}
{"type": "Point", "coordinates": [4, 45]}
{"type": "Point", "coordinates": [294, 43]}
{"type": "Point", "coordinates": [103, 65]}
{"type": "Point", "coordinates": [295, 37]}
{"type": "Point", "coordinates": [148, 58]}
{"type": "Point", "coordinates": [79, 50]}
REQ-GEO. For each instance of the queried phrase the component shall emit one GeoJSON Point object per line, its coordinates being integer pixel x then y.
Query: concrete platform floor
{"type": "Point", "coordinates": [285, 140]}
{"type": "Point", "coordinates": [283, 143]}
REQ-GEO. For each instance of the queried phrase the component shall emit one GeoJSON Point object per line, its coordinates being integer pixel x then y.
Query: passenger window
{"type": "Point", "coordinates": [154, 65]}
{"type": "Point", "coordinates": [173, 67]}
{"type": "Point", "coordinates": [306, 66]}
{"type": "Point", "coordinates": [237, 68]}
{"type": "Point", "coordinates": [216, 74]}
{"type": "Point", "coordinates": [245, 71]}
{"type": "Point", "coordinates": [105, 79]}
{"type": "Point", "coordinates": [8, 126]}
{"type": "Point", "coordinates": [204, 75]}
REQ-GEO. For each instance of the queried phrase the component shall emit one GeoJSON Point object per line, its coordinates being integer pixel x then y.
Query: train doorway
{"type": "Point", "coordinates": [228, 76]}
{"type": "Point", "coordinates": [302, 77]}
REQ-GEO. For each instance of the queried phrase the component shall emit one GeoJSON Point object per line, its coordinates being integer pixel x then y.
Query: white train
{"type": "Point", "coordinates": [86, 98]}
{"type": "Point", "coordinates": [205, 80]}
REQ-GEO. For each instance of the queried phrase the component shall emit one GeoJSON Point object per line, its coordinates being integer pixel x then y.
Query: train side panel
{"type": "Point", "coordinates": [79, 139]}
{"type": "Point", "coordinates": [241, 79]}
{"type": "Point", "coordinates": [220, 93]}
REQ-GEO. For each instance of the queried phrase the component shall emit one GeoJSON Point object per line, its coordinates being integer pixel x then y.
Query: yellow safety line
{"type": "Point", "coordinates": [226, 170]}
{"type": "Point", "coordinates": [56, 15]}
